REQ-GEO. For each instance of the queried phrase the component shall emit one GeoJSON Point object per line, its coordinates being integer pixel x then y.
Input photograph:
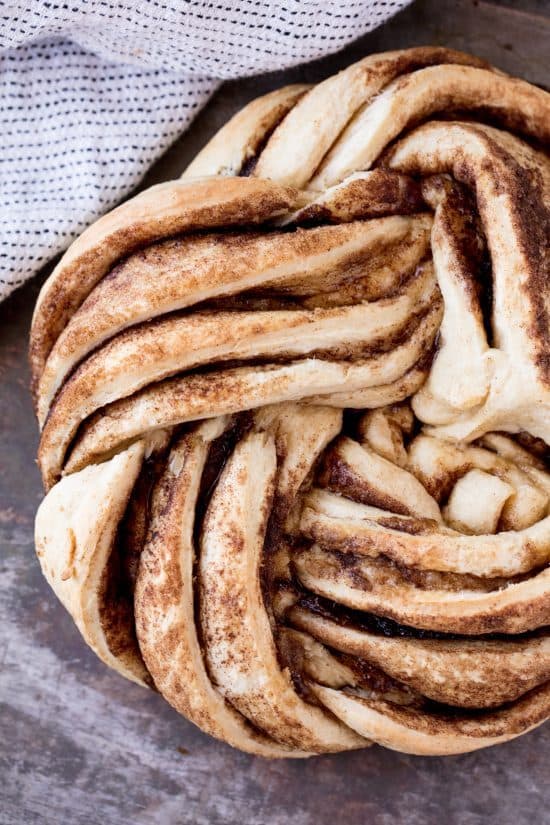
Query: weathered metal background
{"type": "Point", "coordinates": [78, 744]}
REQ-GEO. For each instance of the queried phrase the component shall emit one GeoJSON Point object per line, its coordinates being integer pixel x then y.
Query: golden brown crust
{"type": "Point", "coordinates": [165, 602]}
{"type": "Point", "coordinates": [407, 730]}
{"type": "Point", "coordinates": [466, 673]}
{"type": "Point", "coordinates": [245, 134]}
{"type": "Point", "coordinates": [159, 212]}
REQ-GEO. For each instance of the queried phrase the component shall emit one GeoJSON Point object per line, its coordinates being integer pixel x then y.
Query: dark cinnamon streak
{"type": "Point", "coordinates": [359, 620]}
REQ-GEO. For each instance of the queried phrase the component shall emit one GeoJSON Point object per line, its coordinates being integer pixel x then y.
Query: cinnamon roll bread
{"type": "Point", "coordinates": [295, 417]}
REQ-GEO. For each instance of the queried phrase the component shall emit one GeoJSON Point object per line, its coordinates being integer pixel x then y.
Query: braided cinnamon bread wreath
{"type": "Point", "coordinates": [295, 413]}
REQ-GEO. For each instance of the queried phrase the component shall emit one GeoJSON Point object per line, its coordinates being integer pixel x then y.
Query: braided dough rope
{"type": "Point", "coordinates": [222, 523]}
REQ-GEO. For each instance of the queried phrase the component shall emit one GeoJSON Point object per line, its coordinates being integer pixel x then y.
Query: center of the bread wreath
{"type": "Point", "coordinates": [295, 419]}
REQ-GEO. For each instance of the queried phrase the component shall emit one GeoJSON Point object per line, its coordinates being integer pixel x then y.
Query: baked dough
{"type": "Point", "coordinates": [295, 417]}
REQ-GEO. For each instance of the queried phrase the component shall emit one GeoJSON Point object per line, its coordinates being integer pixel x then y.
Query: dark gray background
{"type": "Point", "coordinates": [78, 744]}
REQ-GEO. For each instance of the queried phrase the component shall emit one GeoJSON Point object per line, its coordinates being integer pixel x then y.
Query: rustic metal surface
{"type": "Point", "coordinates": [78, 744]}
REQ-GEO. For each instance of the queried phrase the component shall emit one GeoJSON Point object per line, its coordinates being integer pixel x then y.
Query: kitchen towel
{"type": "Point", "coordinates": [92, 92]}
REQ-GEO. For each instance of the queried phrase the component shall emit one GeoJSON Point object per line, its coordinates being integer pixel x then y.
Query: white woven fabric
{"type": "Point", "coordinates": [92, 92]}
